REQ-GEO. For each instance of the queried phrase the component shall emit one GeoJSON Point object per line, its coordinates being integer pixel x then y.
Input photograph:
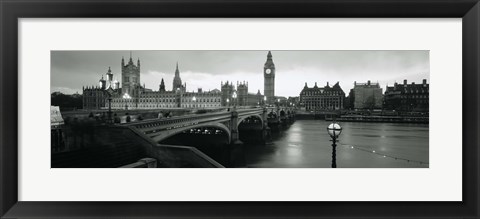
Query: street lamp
{"type": "Point", "coordinates": [126, 97]}
{"type": "Point", "coordinates": [334, 131]}
{"type": "Point", "coordinates": [265, 100]}
{"type": "Point", "coordinates": [194, 99]}
{"type": "Point", "coordinates": [109, 93]}
{"type": "Point", "coordinates": [234, 96]}
{"type": "Point", "coordinates": [228, 103]}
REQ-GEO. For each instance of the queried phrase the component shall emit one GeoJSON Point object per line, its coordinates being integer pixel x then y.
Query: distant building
{"type": "Point", "coordinates": [178, 97]}
{"type": "Point", "coordinates": [325, 98]}
{"type": "Point", "coordinates": [201, 99]}
{"type": "Point", "coordinates": [243, 97]}
{"type": "Point", "coordinates": [254, 99]}
{"type": "Point", "coordinates": [366, 96]}
{"type": "Point", "coordinates": [407, 97]}
{"type": "Point", "coordinates": [95, 97]}
{"type": "Point", "coordinates": [131, 95]}
{"type": "Point", "coordinates": [293, 101]}
{"type": "Point", "coordinates": [134, 96]}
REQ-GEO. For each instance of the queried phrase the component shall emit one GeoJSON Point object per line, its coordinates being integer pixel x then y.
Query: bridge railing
{"type": "Point", "coordinates": [187, 118]}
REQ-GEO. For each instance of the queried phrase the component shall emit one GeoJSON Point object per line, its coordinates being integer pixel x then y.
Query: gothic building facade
{"type": "Point", "coordinates": [132, 95]}
{"type": "Point", "coordinates": [322, 98]}
{"type": "Point", "coordinates": [131, 78]}
{"type": "Point", "coordinates": [239, 96]}
{"type": "Point", "coordinates": [139, 97]}
{"type": "Point", "coordinates": [94, 97]}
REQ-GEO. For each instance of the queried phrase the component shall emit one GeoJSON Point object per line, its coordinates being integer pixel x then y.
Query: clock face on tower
{"type": "Point", "coordinates": [268, 71]}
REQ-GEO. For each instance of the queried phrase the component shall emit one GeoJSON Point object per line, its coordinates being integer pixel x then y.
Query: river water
{"type": "Point", "coordinates": [306, 144]}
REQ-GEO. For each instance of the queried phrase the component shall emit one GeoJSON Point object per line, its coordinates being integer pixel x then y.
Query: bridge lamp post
{"type": "Point", "coordinates": [193, 100]}
{"type": "Point", "coordinates": [234, 96]}
{"type": "Point", "coordinates": [109, 93]}
{"type": "Point", "coordinates": [264, 100]}
{"type": "Point", "coordinates": [126, 97]}
{"type": "Point", "coordinates": [228, 103]}
{"type": "Point", "coordinates": [334, 130]}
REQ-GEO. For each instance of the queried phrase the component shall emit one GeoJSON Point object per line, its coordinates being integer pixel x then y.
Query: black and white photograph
{"type": "Point", "coordinates": [239, 108]}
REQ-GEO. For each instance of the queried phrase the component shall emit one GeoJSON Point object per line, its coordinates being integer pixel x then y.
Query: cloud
{"type": "Point", "coordinates": [206, 69]}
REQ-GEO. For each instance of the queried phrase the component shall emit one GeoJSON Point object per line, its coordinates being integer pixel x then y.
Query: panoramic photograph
{"type": "Point", "coordinates": [239, 108]}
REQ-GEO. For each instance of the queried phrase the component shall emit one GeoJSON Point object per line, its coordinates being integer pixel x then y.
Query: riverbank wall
{"type": "Point", "coordinates": [362, 118]}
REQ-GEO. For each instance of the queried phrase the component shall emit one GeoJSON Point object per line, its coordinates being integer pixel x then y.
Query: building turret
{"type": "Point", "coordinates": [109, 75]}
{"type": "Point", "coordinates": [242, 93]}
{"type": "Point", "coordinates": [162, 86]}
{"type": "Point", "coordinates": [103, 83]}
{"type": "Point", "coordinates": [130, 78]}
{"type": "Point", "coordinates": [227, 90]}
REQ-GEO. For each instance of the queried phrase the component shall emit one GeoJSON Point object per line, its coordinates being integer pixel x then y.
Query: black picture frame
{"type": "Point", "coordinates": [12, 10]}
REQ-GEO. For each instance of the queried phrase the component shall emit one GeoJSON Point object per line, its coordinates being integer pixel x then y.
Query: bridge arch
{"type": "Point", "coordinates": [241, 119]}
{"type": "Point", "coordinates": [169, 133]}
{"type": "Point", "coordinates": [272, 114]}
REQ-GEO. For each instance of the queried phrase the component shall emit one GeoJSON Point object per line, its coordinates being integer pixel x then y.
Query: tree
{"type": "Point", "coordinates": [65, 101]}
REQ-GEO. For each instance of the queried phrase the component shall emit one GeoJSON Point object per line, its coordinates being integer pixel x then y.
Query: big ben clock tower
{"type": "Point", "coordinates": [269, 79]}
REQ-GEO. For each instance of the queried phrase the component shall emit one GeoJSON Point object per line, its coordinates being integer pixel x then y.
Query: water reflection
{"type": "Point", "coordinates": [306, 144]}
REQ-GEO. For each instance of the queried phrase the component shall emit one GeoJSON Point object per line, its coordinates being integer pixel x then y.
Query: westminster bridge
{"type": "Point", "coordinates": [228, 122]}
{"type": "Point", "coordinates": [208, 139]}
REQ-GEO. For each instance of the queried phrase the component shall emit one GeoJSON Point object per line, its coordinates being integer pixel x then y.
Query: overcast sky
{"type": "Point", "coordinates": [70, 70]}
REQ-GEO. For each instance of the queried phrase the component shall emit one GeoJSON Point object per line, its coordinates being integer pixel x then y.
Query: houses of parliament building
{"type": "Point", "coordinates": [132, 95]}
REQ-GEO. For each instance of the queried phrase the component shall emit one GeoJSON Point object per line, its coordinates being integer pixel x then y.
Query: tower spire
{"type": "Point", "coordinates": [177, 72]}
{"type": "Point", "coordinates": [177, 81]}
